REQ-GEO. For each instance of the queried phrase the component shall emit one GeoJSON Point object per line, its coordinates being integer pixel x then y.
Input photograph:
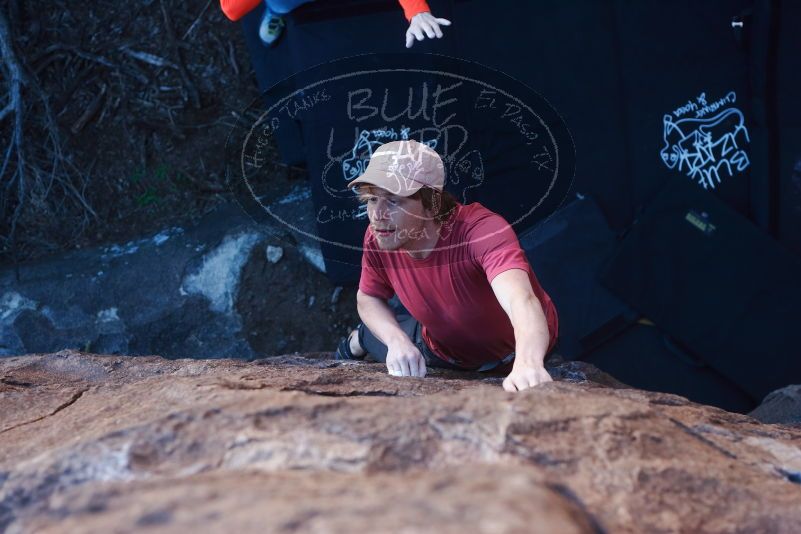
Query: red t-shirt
{"type": "Point", "coordinates": [449, 291]}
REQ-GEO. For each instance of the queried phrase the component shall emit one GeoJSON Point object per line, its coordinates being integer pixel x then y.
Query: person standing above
{"type": "Point", "coordinates": [422, 23]}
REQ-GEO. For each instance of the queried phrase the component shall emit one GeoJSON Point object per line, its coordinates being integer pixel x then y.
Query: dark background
{"type": "Point", "coordinates": [613, 69]}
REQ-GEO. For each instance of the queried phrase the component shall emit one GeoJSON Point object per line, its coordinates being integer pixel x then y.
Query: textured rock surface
{"type": "Point", "coordinates": [91, 444]}
{"type": "Point", "coordinates": [207, 291]}
{"type": "Point", "coordinates": [152, 295]}
{"type": "Point", "coordinates": [781, 406]}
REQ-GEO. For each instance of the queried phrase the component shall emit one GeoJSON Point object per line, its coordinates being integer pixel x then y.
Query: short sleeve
{"type": "Point", "coordinates": [495, 247]}
{"type": "Point", "coordinates": [373, 280]}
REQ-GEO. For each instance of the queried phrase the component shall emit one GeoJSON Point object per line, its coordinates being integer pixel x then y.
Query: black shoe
{"type": "Point", "coordinates": [343, 350]}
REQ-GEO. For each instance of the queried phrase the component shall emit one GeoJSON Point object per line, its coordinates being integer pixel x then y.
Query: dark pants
{"type": "Point", "coordinates": [378, 351]}
{"type": "Point", "coordinates": [413, 329]}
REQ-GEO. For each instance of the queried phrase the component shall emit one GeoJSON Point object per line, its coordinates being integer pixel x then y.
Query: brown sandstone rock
{"type": "Point", "coordinates": [91, 443]}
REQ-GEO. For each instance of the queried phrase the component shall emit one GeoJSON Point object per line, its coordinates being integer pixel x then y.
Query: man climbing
{"type": "Point", "coordinates": [472, 297]}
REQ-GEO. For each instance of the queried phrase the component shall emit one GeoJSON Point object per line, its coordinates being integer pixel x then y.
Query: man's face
{"type": "Point", "coordinates": [396, 221]}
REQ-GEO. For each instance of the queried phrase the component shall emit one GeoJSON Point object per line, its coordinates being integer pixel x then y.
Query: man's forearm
{"type": "Point", "coordinates": [531, 331]}
{"type": "Point", "coordinates": [380, 320]}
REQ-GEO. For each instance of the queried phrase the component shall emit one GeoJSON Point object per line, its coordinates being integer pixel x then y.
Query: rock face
{"type": "Point", "coordinates": [200, 292]}
{"type": "Point", "coordinates": [781, 406]}
{"type": "Point", "coordinates": [99, 443]}
{"type": "Point", "coordinates": [170, 293]}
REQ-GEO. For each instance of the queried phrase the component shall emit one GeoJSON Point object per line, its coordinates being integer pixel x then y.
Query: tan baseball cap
{"type": "Point", "coordinates": [403, 167]}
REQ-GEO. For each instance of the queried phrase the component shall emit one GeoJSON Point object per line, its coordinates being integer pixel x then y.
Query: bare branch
{"type": "Point", "coordinates": [5, 111]}
{"type": "Point", "coordinates": [190, 86]}
{"type": "Point", "coordinates": [151, 59]}
{"type": "Point", "coordinates": [14, 74]}
{"type": "Point", "coordinates": [196, 21]}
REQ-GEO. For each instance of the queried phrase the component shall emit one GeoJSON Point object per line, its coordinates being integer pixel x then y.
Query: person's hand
{"type": "Point", "coordinates": [404, 359]}
{"type": "Point", "coordinates": [426, 23]}
{"type": "Point", "coordinates": [524, 377]}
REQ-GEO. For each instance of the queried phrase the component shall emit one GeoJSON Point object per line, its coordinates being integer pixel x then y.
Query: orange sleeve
{"type": "Point", "coordinates": [236, 9]}
{"type": "Point", "coordinates": [413, 7]}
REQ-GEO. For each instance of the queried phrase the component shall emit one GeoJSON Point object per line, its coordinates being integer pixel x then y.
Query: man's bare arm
{"type": "Point", "coordinates": [513, 290]}
{"type": "Point", "coordinates": [379, 318]}
{"type": "Point", "coordinates": [402, 354]}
